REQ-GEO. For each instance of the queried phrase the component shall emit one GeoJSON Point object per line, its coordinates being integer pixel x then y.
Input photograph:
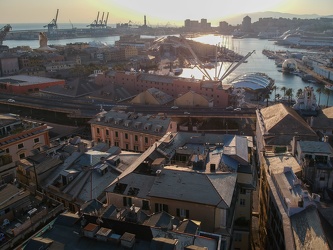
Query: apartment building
{"type": "Point", "coordinates": [193, 176]}
{"type": "Point", "coordinates": [19, 139]}
{"type": "Point", "coordinates": [130, 131]}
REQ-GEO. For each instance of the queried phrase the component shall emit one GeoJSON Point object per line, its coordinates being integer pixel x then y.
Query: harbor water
{"type": "Point", "coordinates": [257, 62]}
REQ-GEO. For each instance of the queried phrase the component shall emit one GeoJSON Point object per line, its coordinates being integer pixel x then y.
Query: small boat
{"type": "Point", "coordinates": [329, 86]}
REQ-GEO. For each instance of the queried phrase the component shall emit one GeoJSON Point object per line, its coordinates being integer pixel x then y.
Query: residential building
{"type": "Point", "coordinates": [288, 217]}
{"type": "Point", "coordinates": [276, 127]}
{"type": "Point", "coordinates": [18, 139]}
{"type": "Point", "coordinates": [283, 199]}
{"type": "Point", "coordinates": [130, 131]}
{"type": "Point", "coordinates": [323, 124]}
{"type": "Point", "coordinates": [9, 64]}
{"type": "Point", "coordinates": [184, 174]}
{"type": "Point", "coordinates": [315, 158]}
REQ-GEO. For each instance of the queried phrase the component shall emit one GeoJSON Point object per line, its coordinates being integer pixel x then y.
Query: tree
{"type": "Point", "coordinates": [289, 93]}
{"type": "Point", "coordinates": [275, 88]}
{"type": "Point", "coordinates": [284, 90]}
{"type": "Point", "coordinates": [319, 91]}
{"type": "Point", "coordinates": [277, 96]}
{"type": "Point", "coordinates": [299, 92]}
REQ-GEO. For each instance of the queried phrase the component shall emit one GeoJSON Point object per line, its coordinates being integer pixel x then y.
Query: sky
{"type": "Point", "coordinates": [167, 12]}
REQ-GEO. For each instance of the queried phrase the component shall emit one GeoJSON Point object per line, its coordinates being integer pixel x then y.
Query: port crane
{"type": "Point", "coordinates": [3, 32]}
{"type": "Point", "coordinates": [52, 26]}
{"type": "Point", "coordinates": [99, 23]}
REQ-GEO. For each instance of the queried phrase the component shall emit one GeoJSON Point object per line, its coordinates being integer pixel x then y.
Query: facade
{"type": "Point", "coordinates": [9, 64]}
{"type": "Point", "coordinates": [173, 86]}
{"type": "Point", "coordinates": [283, 199]}
{"type": "Point", "coordinates": [315, 158]}
{"type": "Point", "coordinates": [18, 139]}
{"type": "Point", "coordinates": [130, 131]}
{"type": "Point", "coordinates": [152, 96]}
{"type": "Point", "coordinates": [288, 218]}
{"type": "Point", "coordinates": [192, 99]}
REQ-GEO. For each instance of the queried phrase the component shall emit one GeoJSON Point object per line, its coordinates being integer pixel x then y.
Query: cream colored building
{"type": "Point", "coordinates": [130, 131]}
{"type": "Point", "coordinates": [18, 138]}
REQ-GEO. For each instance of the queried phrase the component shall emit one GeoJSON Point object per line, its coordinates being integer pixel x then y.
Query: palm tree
{"type": "Point", "coordinates": [277, 96]}
{"type": "Point", "coordinates": [327, 92]}
{"type": "Point", "coordinates": [299, 93]}
{"type": "Point", "coordinates": [319, 91]}
{"type": "Point", "coordinates": [267, 98]}
{"type": "Point", "coordinates": [284, 90]}
{"type": "Point", "coordinates": [275, 88]}
{"type": "Point", "coordinates": [289, 93]}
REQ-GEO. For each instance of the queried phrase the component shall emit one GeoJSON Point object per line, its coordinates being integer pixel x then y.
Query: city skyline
{"type": "Point", "coordinates": [171, 12]}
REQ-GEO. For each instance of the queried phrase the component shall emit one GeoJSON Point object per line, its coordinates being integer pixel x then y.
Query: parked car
{"type": "Point", "coordinates": [186, 113]}
{"type": "Point", "coordinates": [230, 107]}
{"type": "Point", "coordinates": [11, 100]}
{"type": "Point", "coordinates": [174, 107]}
{"type": "Point", "coordinates": [237, 109]}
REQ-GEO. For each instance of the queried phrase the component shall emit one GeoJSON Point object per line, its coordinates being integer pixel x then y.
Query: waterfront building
{"type": "Point", "coordinates": [175, 86]}
{"type": "Point", "coordinates": [22, 84]}
{"type": "Point", "coordinates": [18, 139]}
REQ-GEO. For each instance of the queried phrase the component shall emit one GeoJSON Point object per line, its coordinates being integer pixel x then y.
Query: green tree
{"type": "Point", "coordinates": [289, 94]}
{"type": "Point", "coordinates": [284, 90]}
{"type": "Point", "coordinates": [299, 92]}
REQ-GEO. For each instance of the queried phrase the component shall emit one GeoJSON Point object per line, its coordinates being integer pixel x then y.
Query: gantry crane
{"type": "Point", "coordinates": [3, 32]}
{"type": "Point", "coordinates": [52, 26]}
{"type": "Point", "coordinates": [99, 23]}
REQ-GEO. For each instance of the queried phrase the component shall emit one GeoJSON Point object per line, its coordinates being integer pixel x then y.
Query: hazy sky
{"type": "Point", "coordinates": [157, 12]}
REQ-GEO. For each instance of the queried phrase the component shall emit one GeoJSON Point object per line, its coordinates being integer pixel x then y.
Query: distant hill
{"type": "Point", "coordinates": [234, 20]}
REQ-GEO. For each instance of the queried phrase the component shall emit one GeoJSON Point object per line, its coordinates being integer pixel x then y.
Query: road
{"type": "Point", "coordinates": [84, 108]}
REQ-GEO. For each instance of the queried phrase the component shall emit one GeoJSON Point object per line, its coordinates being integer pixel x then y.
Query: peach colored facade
{"type": "Point", "coordinates": [20, 145]}
{"type": "Point", "coordinates": [173, 86]}
{"type": "Point", "coordinates": [125, 138]}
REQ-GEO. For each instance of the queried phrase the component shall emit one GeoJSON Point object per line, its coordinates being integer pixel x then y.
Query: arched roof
{"type": "Point", "coordinates": [253, 81]}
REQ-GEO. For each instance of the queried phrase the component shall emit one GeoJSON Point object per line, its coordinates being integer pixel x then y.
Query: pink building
{"type": "Point", "coordinates": [174, 86]}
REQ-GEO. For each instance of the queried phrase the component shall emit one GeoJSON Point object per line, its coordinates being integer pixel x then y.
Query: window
{"type": "Point", "coordinates": [127, 201]}
{"type": "Point", "coordinates": [145, 205]}
{"type": "Point", "coordinates": [136, 148]}
{"type": "Point", "coordinates": [242, 202]}
{"type": "Point", "coordinates": [146, 140]}
{"type": "Point", "coordinates": [36, 140]}
{"type": "Point", "coordinates": [22, 155]}
{"type": "Point", "coordinates": [126, 136]}
{"type": "Point", "coordinates": [107, 132]}
{"type": "Point", "coordinates": [183, 213]}
{"type": "Point", "coordinates": [136, 138]}
{"type": "Point", "coordinates": [238, 237]}
{"type": "Point", "coordinates": [7, 150]}
{"type": "Point", "coordinates": [116, 143]}
{"type": "Point", "coordinates": [161, 207]}
{"type": "Point", "coordinates": [20, 145]}
{"type": "Point", "coordinates": [242, 191]}
{"type": "Point", "coordinates": [97, 130]}
{"type": "Point", "coordinates": [116, 133]}
{"type": "Point", "coordinates": [126, 146]}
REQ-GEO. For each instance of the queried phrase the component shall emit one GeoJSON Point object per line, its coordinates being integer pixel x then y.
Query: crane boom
{"type": "Point", "coordinates": [101, 21]}
{"type": "Point", "coordinates": [106, 20]}
{"type": "Point", "coordinates": [236, 66]}
{"type": "Point", "coordinates": [3, 32]}
{"type": "Point", "coordinates": [195, 56]}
